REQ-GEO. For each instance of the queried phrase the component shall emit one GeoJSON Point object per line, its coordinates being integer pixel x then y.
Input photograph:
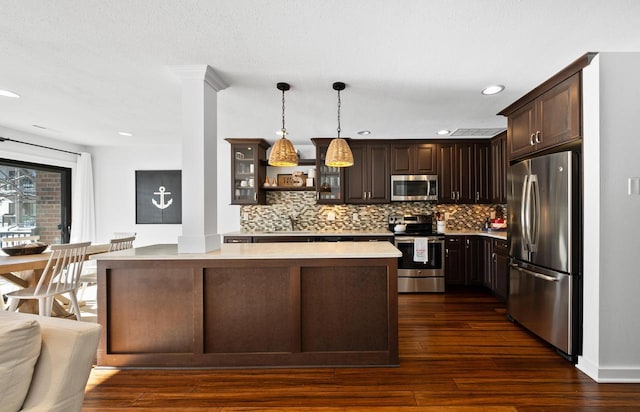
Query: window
{"type": "Point", "coordinates": [35, 199]}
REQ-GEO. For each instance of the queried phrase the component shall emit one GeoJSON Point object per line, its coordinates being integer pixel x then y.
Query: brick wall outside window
{"type": "Point", "coordinates": [48, 206]}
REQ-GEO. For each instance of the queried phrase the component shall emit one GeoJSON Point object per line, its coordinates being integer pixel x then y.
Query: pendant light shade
{"type": "Point", "coordinates": [283, 153]}
{"type": "Point", "coordinates": [339, 153]}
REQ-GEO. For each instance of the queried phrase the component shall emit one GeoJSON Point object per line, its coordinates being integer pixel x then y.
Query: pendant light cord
{"type": "Point", "coordinates": [339, 114]}
{"type": "Point", "coordinates": [284, 131]}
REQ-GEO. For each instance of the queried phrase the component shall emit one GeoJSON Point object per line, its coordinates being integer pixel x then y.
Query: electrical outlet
{"type": "Point", "coordinates": [245, 216]}
{"type": "Point", "coordinates": [331, 216]}
{"type": "Point", "coordinates": [447, 215]}
{"type": "Point", "coordinates": [355, 217]}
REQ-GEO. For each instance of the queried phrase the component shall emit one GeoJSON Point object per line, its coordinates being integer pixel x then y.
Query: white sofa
{"type": "Point", "coordinates": [44, 362]}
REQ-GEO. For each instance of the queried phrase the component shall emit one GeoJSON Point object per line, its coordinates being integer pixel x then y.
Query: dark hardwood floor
{"type": "Point", "coordinates": [457, 352]}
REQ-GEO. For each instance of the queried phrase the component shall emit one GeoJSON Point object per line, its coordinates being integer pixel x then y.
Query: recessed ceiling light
{"type": "Point", "coordinates": [443, 132]}
{"type": "Point", "coordinates": [7, 93]}
{"type": "Point", "coordinates": [494, 89]}
{"type": "Point", "coordinates": [364, 132]}
{"type": "Point", "coordinates": [128, 134]}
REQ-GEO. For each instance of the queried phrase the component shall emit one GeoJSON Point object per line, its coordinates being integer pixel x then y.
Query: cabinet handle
{"type": "Point", "coordinates": [446, 253]}
{"type": "Point", "coordinates": [255, 196]}
{"type": "Point", "coordinates": [493, 256]}
{"type": "Point", "coordinates": [477, 196]}
{"type": "Point", "coordinates": [538, 137]}
{"type": "Point", "coordinates": [453, 195]}
{"type": "Point", "coordinates": [531, 139]}
{"type": "Point", "coordinates": [457, 195]}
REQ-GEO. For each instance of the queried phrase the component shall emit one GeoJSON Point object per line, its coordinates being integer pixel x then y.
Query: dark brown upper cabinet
{"type": "Point", "coordinates": [248, 170]}
{"type": "Point", "coordinates": [369, 179]}
{"type": "Point", "coordinates": [550, 120]}
{"type": "Point", "coordinates": [464, 172]}
{"type": "Point", "coordinates": [482, 172]}
{"type": "Point", "coordinates": [499, 166]}
{"type": "Point", "coordinates": [414, 158]}
{"type": "Point", "coordinates": [455, 164]}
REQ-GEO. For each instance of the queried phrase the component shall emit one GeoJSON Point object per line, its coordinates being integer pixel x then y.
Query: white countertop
{"type": "Point", "coordinates": [499, 234]}
{"type": "Point", "coordinates": [322, 250]}
{"type": "Point", "coordinates": [312, 233]}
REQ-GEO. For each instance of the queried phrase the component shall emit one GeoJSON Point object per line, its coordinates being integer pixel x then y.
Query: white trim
{"type": "Point", "coordinates": [609, 375]}
{"type": "Point", "coordinates": [200, 72]}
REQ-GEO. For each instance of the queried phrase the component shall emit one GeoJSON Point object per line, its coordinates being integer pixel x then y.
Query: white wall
{"type": "Point", "coordinates": [612, 279]}
{"type": "Point", "coordinates": [114, 186]}
{"type": "Point", "coordinates": [28, 153]}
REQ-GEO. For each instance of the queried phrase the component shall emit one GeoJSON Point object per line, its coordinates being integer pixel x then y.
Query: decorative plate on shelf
{"type": "Point", "coordinates": [26, 249]}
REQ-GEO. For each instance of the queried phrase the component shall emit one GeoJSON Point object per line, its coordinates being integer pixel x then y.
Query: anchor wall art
{"type": "Point", "coordinates": [158, 196]}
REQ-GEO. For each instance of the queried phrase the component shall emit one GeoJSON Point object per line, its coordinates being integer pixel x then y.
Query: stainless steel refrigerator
{"type": "Point", "coordinates": [544, 248]}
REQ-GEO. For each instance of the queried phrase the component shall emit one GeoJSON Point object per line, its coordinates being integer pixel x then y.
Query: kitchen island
{"type": "Point", "coordinates": [250, 305]}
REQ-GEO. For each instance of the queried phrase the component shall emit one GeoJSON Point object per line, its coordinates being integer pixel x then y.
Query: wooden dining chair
{"type": "Point", "coordinates": [60, 276]}
{"type": "Point", "coordinates": [89, 275]}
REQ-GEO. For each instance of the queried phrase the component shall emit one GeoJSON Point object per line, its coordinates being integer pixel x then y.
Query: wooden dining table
{"type": "Point", "coordinates": [25, 271]}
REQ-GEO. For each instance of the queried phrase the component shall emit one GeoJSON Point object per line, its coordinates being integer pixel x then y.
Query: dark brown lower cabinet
{"type": "Point", "coordinates": [271, 239]}
{"type": "Point", "coordinates": [237, 239]}
{"type": "Point", "coordinates": [204, 312]}
{"type": "Point", "coordinates": [496, 267]}
{"type": "Point", "coordinates": [477, 261]}
{"type": "Point", "coordinates": [323, 238]}
{"type": "Point", "coordinates": [454, 260]}
{"type": "Point", "coordinates": [474, 260]}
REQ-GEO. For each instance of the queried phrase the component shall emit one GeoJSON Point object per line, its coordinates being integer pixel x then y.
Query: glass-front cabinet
{"type": "Point", "coordinates": [329, 180]}
{"type": "Point", "coordinates": [248, 170]}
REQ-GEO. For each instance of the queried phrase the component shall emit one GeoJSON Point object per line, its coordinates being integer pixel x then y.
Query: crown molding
{"type": "Point", "coordinates": [200, 72]}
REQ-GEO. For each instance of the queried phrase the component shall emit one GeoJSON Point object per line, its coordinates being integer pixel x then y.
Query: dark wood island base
{"type": "Point", "coordinates": [232, 308]}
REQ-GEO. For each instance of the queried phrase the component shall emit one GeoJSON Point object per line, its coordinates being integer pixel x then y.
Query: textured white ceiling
{"type": "Point", "coordinates": [87, 69]}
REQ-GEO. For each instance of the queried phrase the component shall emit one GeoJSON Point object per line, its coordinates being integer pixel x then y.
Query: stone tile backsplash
{"type": "Point", "coordinates": [301, 206]}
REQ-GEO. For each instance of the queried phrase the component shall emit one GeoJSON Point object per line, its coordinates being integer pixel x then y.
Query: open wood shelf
{"type": "Point", "coordinates": [289, 189]}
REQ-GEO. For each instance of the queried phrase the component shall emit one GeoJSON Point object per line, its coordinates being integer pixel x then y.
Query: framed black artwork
{"type": "Point", "coordinates": [159, 196]}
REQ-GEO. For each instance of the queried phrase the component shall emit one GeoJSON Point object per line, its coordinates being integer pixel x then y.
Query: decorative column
{"type": "Point", "coordinates": [200, 84]}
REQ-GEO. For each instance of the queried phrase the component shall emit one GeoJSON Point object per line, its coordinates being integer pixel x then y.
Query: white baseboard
{"type": "Point", "coordinates": [608, 375]}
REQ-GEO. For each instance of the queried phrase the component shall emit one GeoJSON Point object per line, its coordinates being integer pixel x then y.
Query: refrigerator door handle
{"type": "Point", "coordinates": [524, 210]}
{"type": "Point", "coordinates": [534, 203]}
{"type": "Point", "coordinates": [535, 274]}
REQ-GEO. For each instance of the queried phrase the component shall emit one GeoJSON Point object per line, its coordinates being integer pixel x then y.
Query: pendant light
{"type": "Point", "coordinates": [283, 153]}
{"type": "Point", "coordinates": [339, 153]}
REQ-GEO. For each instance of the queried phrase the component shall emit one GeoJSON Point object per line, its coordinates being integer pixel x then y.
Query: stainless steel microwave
{"type": "Point", "coordinates": [414, 188]}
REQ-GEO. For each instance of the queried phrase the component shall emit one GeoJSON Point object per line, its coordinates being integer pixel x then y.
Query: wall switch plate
{"type": "Point", "coordinates": [331, 216]}
{"type": "Point", "coordinates": [446, 215]}
{"type": "Point", "coordinates": [634, 186]}
{"type": "Point", "coordinates": [245, 216]}
{"type": "Point", "coordinates": [355, 217]}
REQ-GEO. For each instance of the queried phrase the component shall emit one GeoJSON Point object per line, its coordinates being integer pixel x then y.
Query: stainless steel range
{"type": "Point", "coordinates": [421, 267]}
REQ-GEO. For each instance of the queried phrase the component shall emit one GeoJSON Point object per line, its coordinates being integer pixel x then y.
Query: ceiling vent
{"type": "Point", "coordinates": [486, 132]}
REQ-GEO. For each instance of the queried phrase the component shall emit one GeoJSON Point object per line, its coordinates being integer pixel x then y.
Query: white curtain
{"type": "Point", "coordinates": [83, 215]}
